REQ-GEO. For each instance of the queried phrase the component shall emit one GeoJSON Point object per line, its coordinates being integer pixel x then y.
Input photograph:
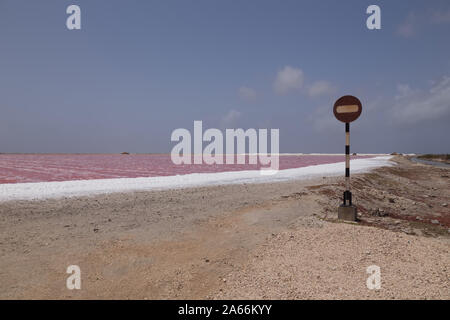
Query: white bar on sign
{"type": "Point", "coordinates": [347, 109]}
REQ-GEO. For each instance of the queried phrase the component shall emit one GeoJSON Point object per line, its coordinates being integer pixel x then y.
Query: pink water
{"type": "Point", "coordinates": [16, 168]}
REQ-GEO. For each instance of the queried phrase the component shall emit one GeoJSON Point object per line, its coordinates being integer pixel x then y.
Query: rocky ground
{"type": "Point", "coordinates": [411, 198]}
{"type": "Point", "coordinates": [403, 228]}
{"type": "Point", "coordinates": [278, 240]}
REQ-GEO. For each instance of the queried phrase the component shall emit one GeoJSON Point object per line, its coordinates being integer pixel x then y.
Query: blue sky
{"type": "Point", "coordinates": [137, 70]}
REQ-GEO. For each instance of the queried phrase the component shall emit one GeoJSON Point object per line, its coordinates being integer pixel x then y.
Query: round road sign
{"type": "Point", "coordinates": [347, 109]}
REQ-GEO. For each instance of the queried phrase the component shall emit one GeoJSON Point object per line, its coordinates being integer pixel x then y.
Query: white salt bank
{"type": "Point", "coordinates": [47, 190]}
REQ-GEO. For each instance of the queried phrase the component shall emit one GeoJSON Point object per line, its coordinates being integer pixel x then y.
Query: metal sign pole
{"type": "Point", "coordinates": [347, 193]}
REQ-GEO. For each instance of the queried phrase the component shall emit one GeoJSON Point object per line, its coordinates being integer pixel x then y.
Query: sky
{"type": "Point", "coordinates": [137, 70]}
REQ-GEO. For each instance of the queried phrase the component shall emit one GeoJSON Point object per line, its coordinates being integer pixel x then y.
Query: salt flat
{"type": "Point", "coordinates": [58, 189]}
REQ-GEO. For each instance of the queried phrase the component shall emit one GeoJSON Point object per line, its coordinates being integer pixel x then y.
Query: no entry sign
{"type": "Point", "coordinates": [347, 109]}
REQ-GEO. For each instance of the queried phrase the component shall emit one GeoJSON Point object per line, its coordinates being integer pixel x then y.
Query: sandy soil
{"type": "Point", "coordinates": [279, 240]}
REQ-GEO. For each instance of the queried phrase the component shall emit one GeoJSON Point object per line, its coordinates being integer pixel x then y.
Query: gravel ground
{"type": "Point", "coordinates": [330, 261]}
{"type": "Point", "coordinates": [277, 240]}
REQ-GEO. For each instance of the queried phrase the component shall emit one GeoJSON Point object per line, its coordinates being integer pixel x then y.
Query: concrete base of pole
{"type": "Point", "coordinates": [347, 213]}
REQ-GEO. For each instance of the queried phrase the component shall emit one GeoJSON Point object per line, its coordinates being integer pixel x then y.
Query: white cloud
{"type": "Point", "coordinates": [403, 90]}
{"type": "Point", "coordinates": [323, 119]}
{"type": "Point", "coordinates": [288, 79]}
{"type": "Point", "coordinates": [247, 93]}
{"type": "Point", "coordinates": [229, 120]}
{"type": "Point", "coordinates": [417, 106]}
{"type": "Point", "coordinates": [441, 17]}
{"type": "Point", "coordinates": [413, 21]}
{"type": "Point", "coordinates": [320, 88]}
{"type": "Point", "coordinates": [407, 28]}
{"type": "Point", "coordinates": [374, 104]}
